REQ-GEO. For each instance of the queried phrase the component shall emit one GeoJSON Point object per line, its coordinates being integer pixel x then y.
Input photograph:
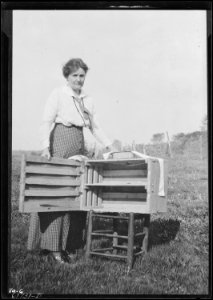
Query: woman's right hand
{"type": "Point", "coordinates": [46, 153]}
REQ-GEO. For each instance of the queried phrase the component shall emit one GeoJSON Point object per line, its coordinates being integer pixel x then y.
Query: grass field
{"type": "Point", "coordinates": [177, 262]}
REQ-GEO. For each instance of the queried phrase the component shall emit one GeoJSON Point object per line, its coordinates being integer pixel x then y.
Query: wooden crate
{"type": "Point", "coordinates": [124, 185]}
{"type": "Point", "coordinates": [113, 185]}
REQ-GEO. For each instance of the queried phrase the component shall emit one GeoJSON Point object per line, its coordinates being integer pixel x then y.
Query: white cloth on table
{"type": "Point", "coordinates": [79, 157]}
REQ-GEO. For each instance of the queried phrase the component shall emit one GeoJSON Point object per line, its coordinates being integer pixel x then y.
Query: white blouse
{"type": "Point", "coordinates": [63, 107]}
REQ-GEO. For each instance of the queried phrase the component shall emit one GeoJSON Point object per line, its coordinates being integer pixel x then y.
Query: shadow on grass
{"type": "Point", "coordinates": [162, 231]}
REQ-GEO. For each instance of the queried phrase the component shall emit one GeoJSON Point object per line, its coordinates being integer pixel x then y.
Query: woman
{"type": "Point", "coordinates": [67, 111]}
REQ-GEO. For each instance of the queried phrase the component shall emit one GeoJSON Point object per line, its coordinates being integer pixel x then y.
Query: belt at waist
{"type": "Point", "coordinates": [69, 126]}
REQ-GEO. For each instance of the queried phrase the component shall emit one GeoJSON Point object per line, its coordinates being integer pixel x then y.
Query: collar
{"type": "Point", "coordinates": [67, 90]}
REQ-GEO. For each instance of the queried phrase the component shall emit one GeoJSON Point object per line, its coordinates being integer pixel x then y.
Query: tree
{"type": "Point", "coordinates": [157, 138]}
{"type": "Point", "coordinates": [204, 123]}
{"type": "Point", "coordinates": [178, 136]}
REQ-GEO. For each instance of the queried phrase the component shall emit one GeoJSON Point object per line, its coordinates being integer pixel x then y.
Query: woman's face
{"type": "Point", "coordinates": [76, 80]}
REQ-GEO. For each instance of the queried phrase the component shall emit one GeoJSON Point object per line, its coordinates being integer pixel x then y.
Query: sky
{"type": "Point", "coordinates": [147, 70]}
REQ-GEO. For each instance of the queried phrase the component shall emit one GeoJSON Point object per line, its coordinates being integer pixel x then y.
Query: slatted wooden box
{"type": "Point", "coordinates": [123, 184]}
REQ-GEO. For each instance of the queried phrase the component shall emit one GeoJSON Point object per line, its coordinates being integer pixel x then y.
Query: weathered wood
{"type": "Point", "coordinates": [49, 185]}
{"type": "Point", "coordinates": [111, 252]}
{"type": "Point", "coordinates": [89, 192]}
{"type": "Point", "coordinates": [100, 179]}
{"type": "Point", "coordinates": [121, 247]}
{"type": "Point", "coordinates": [84, 191]}
{"type": "Point", "coordinates": [114, 185]}
{"type": "Point", "coordinates": [51, 193]}
{"type": "Point", "coordinates": [42, 205]}
{"type": "Point", "coordinates": [109, 255]}
{"type": "Point", "coordinates": [100, 174]}
{"type": "Point", "coordinates": [110, 235]}
{"type": "Point", "coordinates": [110, 216]}
{"type": "Point", "coordinates": [126, 180]}
{"type": "Point", "coordinates": [118, 183]}
{"type": "Point", "coordinates": [56, 170]}
{"type": "Point", "coordinates": [94, 195]}
{"type": "Point", "coordinates": [116, 161]}
{"type": "Point", "coordinates": [123, 173]}
{"type": "Point", "coordinates": [146, 232]}
{"type": "Point", "coordinates": [139, 234]}
{"type": "Point", "coordinates": [152, 186]}
{"type": "Point", "coordinates": [103, 231]}
{"type": "Point", "coordinates": [53, 160]}
{"type": "Point", "coordinates": [51, 181]}
{"type": "Point", "coordinates": [22, 184]}
{"type": "Point", "coordinates": [89, 235]}
{"type": "Point", "coordinates": [125, 167]}
{"type": "Point", "coordinates": [102, 249]}
{"type": "Point", "coordinates": [124, 196]}
{"type": "Point", "coordinates": [130, 241]}
{"type": "Point", "coordinates": [124, 207]}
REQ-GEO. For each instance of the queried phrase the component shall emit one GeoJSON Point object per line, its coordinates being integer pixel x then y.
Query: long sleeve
{"type": "Point", "coordinates": [49, 116]}
{"type": "Point", "coordinates": [97, 131]}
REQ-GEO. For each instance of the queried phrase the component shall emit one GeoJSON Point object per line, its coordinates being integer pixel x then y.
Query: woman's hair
{"type": "Point", "coordinates": [73, 65]}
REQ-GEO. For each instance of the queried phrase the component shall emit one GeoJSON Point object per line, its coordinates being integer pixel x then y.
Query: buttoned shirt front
{"type": "Point", "coordinates": [64, 107]}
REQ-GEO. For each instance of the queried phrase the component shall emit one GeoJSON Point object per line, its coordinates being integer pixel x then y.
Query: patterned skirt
{"type": "Point", "coordinates": [59, 231]}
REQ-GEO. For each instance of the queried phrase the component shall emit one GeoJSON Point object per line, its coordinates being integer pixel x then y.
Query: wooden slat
{"type": "Point", "coordinates": [115, 161]}
{"type": "Point", "coordinates": [118, 183]}
{"type": "Point", "coordinates": [124, 204]}
{"type": "Point", "coordinates": [123, 179]}
{"type": "Point", "coordinates": [103, 231]}
{"type": "Point", "coordinates": [139, 234]}
{"type": "Point", "coordinates": [100, 179]}
{"type": "Point", "coordinates": [125, 173]}
{"type": "Point", "coordinates": [99, 198]}
{"type": "Point", "coordinates": [43, 205]}
{"type": "Point", "coordinates": [50, 193]}
{"type": "Point", "coordinates": [115, 256]}
{"type": "Point", "coordinates": [124, 196]}
{"type": "Point", "coordinates": [84, 195]}
{"type": "Point", "coordinates": [130, 248]}
{"type": "Point", "coordinates": [89, 237]}
{"type": "Point", "coordinates": [89, 193]}
{"type": "Point", "coordinates": [109, 217]}
{"type": "Point", "coordinates": [125, 167]}
{"type": "Point", "coordinates": [94, 195]}
{"type": "Point", "coordinates": [120, 247]}
{"type": "Point", "coordinates": [102, 249]}
{"type": "Point", "coordinates": [51, 181]}
{"type": "Point", "coordinates": [37, 169]}
{"type": "Point", "coordinates": [110, 235]}
{"type": "Point", "coordinates": [141, 207]}
{"type": "Point", "coordinates": [53, 160]}
{"type": "Point", "coordinates": [22, 185]}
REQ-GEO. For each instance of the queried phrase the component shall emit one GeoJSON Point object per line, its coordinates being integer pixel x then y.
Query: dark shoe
{"type": "Point", "coordinates": [70, 256]}
{"type": "Point", "coordinates": [44, 252]}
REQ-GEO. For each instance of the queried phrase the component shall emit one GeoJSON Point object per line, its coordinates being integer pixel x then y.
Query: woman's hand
{"type": "Point", "coordinates": [46, 153]}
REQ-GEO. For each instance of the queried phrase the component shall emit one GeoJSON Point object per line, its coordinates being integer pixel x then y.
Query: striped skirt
{"type": "Point", "coordinates": [59, 231]}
